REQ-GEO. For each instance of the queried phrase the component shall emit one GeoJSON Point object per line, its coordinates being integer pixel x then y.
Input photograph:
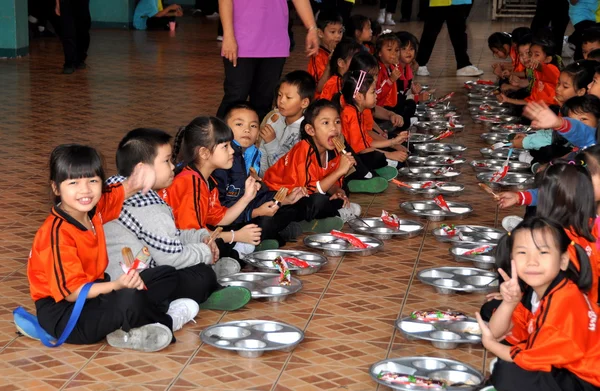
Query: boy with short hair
{"type": "Point", "coordinates": [282, 130]}
{"type": "Point", "coordinates": [590, 40]}
{"type": "Point", "coordinates": [330, 30]}
{"type": "Point", "coordinates": [594, 55]}
{"type": "Point", "coordinates": [147, 221]}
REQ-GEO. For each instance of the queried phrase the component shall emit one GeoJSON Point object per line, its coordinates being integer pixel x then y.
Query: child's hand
{"type": "Point", "coordinates": [251, 188]}
{"type": "Point", "coordinates": [424, 96]}
{"type": "Point", "coordinates": [141, 179]}
{"type": "Point", "coordinates": [541, 116]}
{"type": "Point", "coordinates": [510, 288]}
{"type": "Point", "coordinates": [340, 194]}
{"type": "Point", "coordinates": [514, 80]}
{"type": "Point", "coordinates": [507, 199]}
{"type": "Point", "coordinates": [396, 119]}
{"type": "Point", "coordinates": [497, 69]}
{"type": "Point", "coordinates": [249, 234]}
{"type": "Point", "coordinates": [346, 162]}
{"type": "Point", "coordinates": [502, 98]}
{"type": "Point", "coordinates": [399, 155]}
{"type": "Point", "coordinates": [295, 195]}
{"type": "Point", "coordinates": [486, 333]}
{"type": "Point", "coordinates": [267, 133]}
{"type": "Point", "coordinates": [396, 73]}
{"type": "Point", "coordinates": [416, 88]}
{"type": "Point", "coordinates": [214, 249]}
{"type": "Point", "coordinates": [505, 73]}
{"type": "Point", "coordinates": [517, 142]}
{"type": "Point", "coordinates": [493, 296]}
{"type": "Point", "coordinates": [131, 280]}
{"type": "Point", "coordinates": [267, 209]}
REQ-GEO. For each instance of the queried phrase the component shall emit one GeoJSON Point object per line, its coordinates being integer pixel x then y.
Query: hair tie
{"type": "Point", "coordinates": [572, 243]}
{"type": "Point", "coordinates": [359, 82]}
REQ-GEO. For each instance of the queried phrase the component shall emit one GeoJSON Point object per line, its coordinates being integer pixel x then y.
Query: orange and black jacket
{"type": "Point", "coordinates": [301, 167]}
{"type": "Point", "coordinates": [317, 65]}
{"type": "Point", "coordinates": [332, 86]}
{"type": "Point", "coordinates": [563, 332]}
{"type": "Point", "coordinates": [355, 127]}
{"type": "Point", "coordinates": [65, 254]}
{"type": "Point", "coordinates": [544, 85]}
{"type": "Point", "coordinates": [194, 200]}
{"type": "Point", "coordinates": [387, 90]}
{"type": "Point", "coordinates": [593, 255]}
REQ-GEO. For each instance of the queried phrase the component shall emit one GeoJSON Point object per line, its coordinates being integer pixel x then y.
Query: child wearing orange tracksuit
{"type": "Point", "coordinates": [330, 29]}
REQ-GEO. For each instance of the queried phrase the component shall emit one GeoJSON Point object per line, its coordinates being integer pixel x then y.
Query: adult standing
{"type": "Point", "coordinates": [75, 23]}
{"type": "Point", "coordinates": [255, 47]}
{"type": "Point", "coordinates": [387, 9]}
{"type": "Point", "coordinates": [554, 13]}
{"type": "Point", "coordinates": [455, 14]}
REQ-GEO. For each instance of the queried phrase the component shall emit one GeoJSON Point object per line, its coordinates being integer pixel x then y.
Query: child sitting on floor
{"type": "Point", "coordinates": [590, 41]}
{"type": "Point", "coordinates": [359, 29]}
{"type": "Point", "coordinates": [338, 65]}
{"type": "Point", "coordinates": [330, 30]}
{"type": "Point", "coordinates": [150, 15]}
{"type": "Point", "coordinates": [147, 221]}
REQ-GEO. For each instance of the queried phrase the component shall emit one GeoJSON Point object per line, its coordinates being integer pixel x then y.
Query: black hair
{"type": "Point", "coordinates": [519, 33]}
{"type": "Point", "coordinates": [524, 40]}
{"type": "Point", "coordinates": [303, 81]}
{"type": "Point", "coordinates": [566, 195]}
{"type": "Point", "coordinates": [74, 161]}
{"type": "Point", "coordinates": [498, 40]}
{"type": "Point", "coordinates": [311, 112]}
{"type": "Point", "coordinates": [139, 146]}
{"type": "Point", "coordinates": [376, 28]}
{"type": "Point", "coordinates": [328, 17]}
{"type": "Point", "coordinates": [582, 277]}
{"type": "Point", "coordinates": [549, 49]}
{"type": "Point", "coordinates": [345, 48]}
{"type": "Point", "coordinates": [591, 158]}
{"type": "Point", "coordinates": [591, 34]}
{"type": "Point", "coordinates": [581, 72]}
{"type": "Point", "coordinates": [356, 23]}
{"type": "Point", "coordinates": [407, 39]}
{"type": "Point", "coordinates": [383, 40]}
{"type": "Point", "coordinates": [207, 132]}
{"type": "Point", "coordinates": [594, 55]}
{"type": "Point", "coordinates": [582, 104]}
{"type": "Point", "coordinates": [363, 61]}
{"type": "Point", "coordinates": [350, 83]}
{"type": "Point", "coordinates": [239, 105]}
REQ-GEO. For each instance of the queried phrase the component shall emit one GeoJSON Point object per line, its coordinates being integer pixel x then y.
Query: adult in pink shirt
{"type": "Point", "coordinates": [255, 47]}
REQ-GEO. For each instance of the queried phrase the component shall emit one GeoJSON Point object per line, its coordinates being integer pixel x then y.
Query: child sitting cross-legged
{"type": "Point", "coordinates": [147, 221]}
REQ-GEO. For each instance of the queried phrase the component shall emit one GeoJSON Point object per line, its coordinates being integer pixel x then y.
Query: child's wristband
{"type": "Point", "coordinates": [319, 189]}
{"type": "Point", "coordinates": [232, 237]}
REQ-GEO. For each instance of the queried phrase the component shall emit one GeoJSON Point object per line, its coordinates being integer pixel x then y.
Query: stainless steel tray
{"type": "Point", "coordinates": [500, 153]}
{"type": "Point", "coordinates": [449, 279]}
{"type": "Point", "coordinates": [263, 285]}
{"type": "Point", "coordinates": [374, 226]}
{"type": "Point", "coordinates": [479, 96]}
{"type": "Point", "coordinates": [492, 103]}
{"type": "Point", "coordinates": [496, 119]}
{"type": "Point", "coordinates": [443, 335]}
{"type": "Point", "coordinates": [420, 138]}
{"type": "Point", "coordinates": [464, 376]}
{"type": "Point", "coordinates": [436, 160]}
{"type": "Point", "coordinates": [494, 165]}
{"type": "Point", "coordinates": [428, 172]}
{"type": "Point", "coordinates": [482, 261]}
{"type": "Point", "coordinates": [429, 210]}
{"type": "Point", "coordinates": [251, 338]}
{"type": "Point", "coordinates": [439, 149]}
{"type": "Point", "coordinates": [493, 138]}
{"type": "Point", "coordinates": [492, 110]}
{"type": "Point", "coordinates": [334, 247]}
{"type": "Point", "coordinates": [509, 128]}
{"type": "Point", "coordinates": [468, 234]}
{"type": "Point", "coordinates": [445, 188]}
{"type": "Point", "coordinates": [512, 181]}
{"type": "Point", "coordinates": [263, 260]}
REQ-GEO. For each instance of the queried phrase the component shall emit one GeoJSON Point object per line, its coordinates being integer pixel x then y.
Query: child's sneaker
{"type": "Point", "coordinates": [392, 163]}
{"type": "Point", "coordinates": [373, 185]}
{"type": "Point", "coordinates": [510, 222]}
{"type": "Point", "coordinates": [230, 298]}
{"type": "Point", "coordinates": [493, 364]}
{"type": "Point", "coordinates": [226, 266]}
{"type": "Point", "coordinates": [268, 244]}
{"type": "Point", "coordinates": [525, 157]}
{"type": "Point", "coordinates": [148, 338]}
{"type": "Point", "coordinates": [322, 226]}
{"type": "Point", "coordinates": [182, 311]}
{"type": "Point", "coordinates": [350, 212]}
{"type": "Point", "coordinates": [388, 172]}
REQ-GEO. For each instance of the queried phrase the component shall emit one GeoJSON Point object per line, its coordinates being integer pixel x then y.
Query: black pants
{"type": "Point", "coordinates": [75, 23]}
{"type": "Point", "coordinates": [123, 309]}
{"type": "Point", "coordinates": [254, 77]}
{"type": "Point", "coordinates": [554, 13]}
{"type": "Point", "coordinates": [455, 17]}
{"type": "Point", "coordinates": [367, 163]}
{"type": "Point", "coordinates": [407, 6]}
{"type": "Point", "coordinates": [208, 7]}
{"type": "Point", "coordinates": [196, 282]}
{"type": "Point", "coordinates": [389, 5]}
{"type": "Point", "coordinates": [577, 35]}
{"type": "Point", "coordinates": [342, 7]}
{"type": "Point", "coordinates": [510, 377]}
{"type": "Point", "coordinates": [159, 23]}
{"type": "Point", "coordinates": [405, 108]}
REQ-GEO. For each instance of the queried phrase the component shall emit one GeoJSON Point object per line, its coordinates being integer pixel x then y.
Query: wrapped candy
{"type": "Point", "coordinates": [284, 274]}
{"type": "Point", "coordinates": [296, 262]}
{"type": "Point", "coordinates": [450, 230]}
{"type": "Point", "coordinates": [437, 316]}
{"type": "Point", "coordinates": [138, 263]}
{"type": "Point", "coordinates": [410, 380]}
{"type": "Point", "coordinates": [390, 220]}
{"type": "Point", "coordinates": [441, 202]}
{"type": "Point", "coordinates": [478, 250]}
{"type": "Point", "coordinates": [353, 240]}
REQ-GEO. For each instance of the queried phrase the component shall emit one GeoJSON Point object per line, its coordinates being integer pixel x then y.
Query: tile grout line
{"type": "Point", "coordinates": [83, 367]}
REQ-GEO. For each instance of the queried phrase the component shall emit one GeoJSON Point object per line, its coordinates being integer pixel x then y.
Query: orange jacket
{"type": "Point", "coordinates": [355, 127]}
{"type": "Point", "coordinates": [65, 255]}
{"type": "Point", "coordinates": [562, 333]}
{"type": "Point", "coordinates": [301, 167]}
{"type": "Point", "coordinates": [317, 65]}
{"type": "Point", "coordinates": [593, 254]}
{"type": "Point", "coordinates": [544, 87]}
{"type": "Point", "coordinates": [387, 90]}
{"type": "Point", "coordinates": [194, 200]}
{"type": "Point", "coordinates": [332, 86]}
{"type": "Point", "coordinates": [514, 57]}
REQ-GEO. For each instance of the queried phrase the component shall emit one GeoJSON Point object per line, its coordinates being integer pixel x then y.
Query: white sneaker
{"type": "Point", "coordinates": [148, 338]}
{"type": "Point", "coordinates": [469, 70]}
{"type": "Point", "coordinates": [220, 38]}
{"type": "Point", "coordinates": [244, 248]}
{"type": "Point", "coordinates": [510, 222]}
{"type": "Point", "coordinates": [182, 311]}
{"type": "Point", "coordinates": [381, 17]}
{"type": "Point", "coordinates": [226, 266]}
{"type": "Point", "coordinates": [392, 163]}
{"type": "Point", "coordinates": [423, 71]}
{"type": "Point", "coordinates": [525, 157]}
{"type": "Point", "coordinates": [350, 212]}
{"type": "Point", "coordinates": [368, 175]}
{"type": "Point", "coordinates": [389, 20]}
{"type": "Point", "coordinates": [493, 364]}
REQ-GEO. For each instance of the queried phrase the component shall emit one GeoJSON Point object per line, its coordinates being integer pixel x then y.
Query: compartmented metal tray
{"type": "Point", "coordinates": [334, 247]}
{"type": "Point", "coordinates": [466, 234]}
{"type": "Point", "coordinates": [493, 138]}
{"type": "Point", "coordinates": [439, 149]}
{"type": "Point", "coordinates": [512, 181]}
{"type": "Point", "coordinates": [492, 110]}
{"type": "Point", "coordinates": [251, 338]}
{"type": "Point", "coordinates": [479, 96]}
{"type": "Point", "coordinates": [263, 285]}
{"type": "Point", "coordinates": [420, 138]}
{"type": "Point", "coordinates": [494, 165]}
{"type": "Point", "coordinates": [495, 119]}
{"type": "Point", "coordinates": [442, 335]}
{"type": "Point", "coordinates": [449, 279]}
{"type": "Point", "coordinates": [263, 260]}
{"type": "Point", "coordinates": [436, 160]}
{"type": "Point", "coordinates": [428, 172]}
{"type": "Point", "coordinates": [457, 375]}
{"type": "Point", "coordinates": [445, 188]}
{"type": "Point", "coordinates": [482, 261]}
{"type": "Point", "coordinates": [374, 226]}
{"type": "Point", "coordinates": [500, 153]}
{"type": "Point", "coordinates": [492, 103]}
{"type": "Point", "coordinates": [429, 210]}
{"type": "Point", "coordinates": [510, 128]}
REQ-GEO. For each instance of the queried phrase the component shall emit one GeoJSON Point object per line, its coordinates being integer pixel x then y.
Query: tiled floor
{"type": "Point", "coordinates": [160, 80]}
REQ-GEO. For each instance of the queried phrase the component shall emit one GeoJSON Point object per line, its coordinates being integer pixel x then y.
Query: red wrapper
{"type": "Point", "coordinates": [485, 82]}
{"type": "Point", "coordinates": [427, 185]}
{"type": "Point", "coordinates": [498, 175]}
{"type": "Point", "coordinates": [296, 262]}
{"type": "Point", "coordinates": [391, 220]}
{"type": "Point", "coordinates": [353, 240]}
{"type": "Point", "coordinates": [485, 106]}
{"type": "Point", "coordinates": [478, 250]}
{"type": "Point", "coordinates": [441, 202]}
{"type": "Point", "coordinates": [284, 274]}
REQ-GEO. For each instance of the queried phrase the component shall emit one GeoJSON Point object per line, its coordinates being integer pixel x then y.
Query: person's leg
{"type": "Point", "coordinates": [406, 9]}
{"type": "Point", "coordinates": [196, 282]}
{"type": "Point", "coordinates": [68, 32]}
{"type": "Point", "coordinates": [319, 206]}
{"type": "Point", "coordinates": [510, 377]}
{"type": "Point", "coordinates": [391, 6]}
{"type": "Point", "coordinates": [457, 29]}
{"type": "Point", "coordinates": [264, 81]}
{"type": "Point", "coordinates": [423, 9]}
{"type": "Point", "coordinates": [159, 23]}
{"type": "Point", "coordinates": [238, 81]}
{"type": "Point", "coordinates": [559, 20]}
{"type": "Point", "coordinates": [83, 23]}
{"type": "Point", "coordinates": [542, 16]}
{"type": "Point", "coordinates": [431, 29]}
